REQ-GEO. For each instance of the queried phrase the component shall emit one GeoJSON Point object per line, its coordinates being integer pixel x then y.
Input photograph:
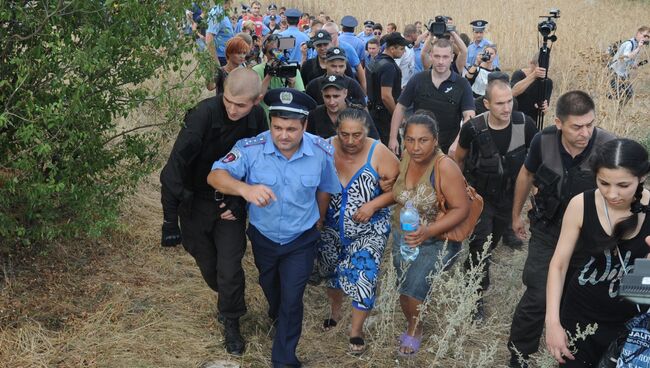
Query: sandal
{"type": "Point", "coordinates": [357, 345]}
{"type": "Point", "coordinates": [329, 324]}
{"type": "Point", "coordinates": [409, 342]}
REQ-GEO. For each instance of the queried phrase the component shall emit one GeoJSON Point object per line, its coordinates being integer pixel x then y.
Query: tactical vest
{"type": "Point", "coordinates": [494, 175]}
{"type": "Point", "coordinates": [445, 106]}
{"type": "Point", "coordinates": [556, 185]}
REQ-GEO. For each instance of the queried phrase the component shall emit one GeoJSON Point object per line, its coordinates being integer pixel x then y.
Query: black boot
{"type": "Point", "coordinates": [517, 361]}
{"type": "Point", "coordinates": [511, 240]}
{"type": "Point", "coordinates": [479, 313]}
{"type": "Point", "coordinates": [234, 341]}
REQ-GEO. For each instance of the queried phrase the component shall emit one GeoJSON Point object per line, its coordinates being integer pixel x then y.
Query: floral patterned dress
{"type": "Point", "coordinates": [350, 252]}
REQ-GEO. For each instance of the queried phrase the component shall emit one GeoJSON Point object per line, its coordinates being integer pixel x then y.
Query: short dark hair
{"type": "Point", "coordinates": [493, 84]}
{"type": "Point", "coordinates": [378, 26]}
{"type": "Point", "coordinates": [373, 41]}
{"type": "Point", "coordinates": [443, 43]}
{"type": "Point", "coordinates": [410, 29]}
{"type": "Point", "coordinates": [574, 103]}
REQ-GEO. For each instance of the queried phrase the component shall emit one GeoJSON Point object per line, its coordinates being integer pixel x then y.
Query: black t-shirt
{"type": "Point", "coordinates": [500, 137]}
{"type": "Point", "coordinates": [534, 157]}
{"type": "Point", "coordinates": [390, 75]}
{"type": "Point", "coordinates": [355, 92]}
{"type": "Point", "coordinates": [320, 124]}
{"type": "Point", "coordinates": [311, 70]}
{"type": "Point", "coordinates": [529, 98]}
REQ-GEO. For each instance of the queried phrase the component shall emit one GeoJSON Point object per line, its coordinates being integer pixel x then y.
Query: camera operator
{"type": "Point", "coordinates": [459, 47]}
{"type": "Point", "coordinates": [625, 61]}
{"type": "Point", "coordinates": [269, 69]}
{"type": "Point", "coordinates": [477, 74]}
{"type": "Point", "coordinates": [478, 43]}
{"type": "Point", "coordinates": [335, 64]}
{"type": "Point", "coordinates": [526, 86]}
{"type": "Point", "coordinates": [407, 62]}
{"type": "Point", "coordinates": [316, 67]}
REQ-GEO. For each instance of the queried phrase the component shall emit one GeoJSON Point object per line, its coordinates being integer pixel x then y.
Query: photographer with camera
{"type": "Point", "coordinates": [477, 74]}
{"type": "Point", "coordinates": [526, 84]}
{"type": "Point", "coordinates": [443, 27]}
{"type": "Point", "coordinates": [625, 61]}
{"type": "Point", "coordinates": [478, 43]}
{"type": "Point", "coordinates": [275, 71]}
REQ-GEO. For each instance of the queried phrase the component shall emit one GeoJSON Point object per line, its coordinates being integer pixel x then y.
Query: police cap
{"type": "Point", "coordinates": [273, 7]}
{"type": "Point", "coordinates": [349, 21]}
{"type": "Point", "coordinates": [335, 81]}
{"type": "Point", "coordinates": [369, 24]}
{"type": "Point", "coordinates": [289, 103]}
{"type": "Point", "coordinates": [321, 37]}
{"type": "Point", "coordinates": [479, 25]}
{"type": "Point", "coordinates": [292, 13]}
{"type": "Point", "coordinates": [334, 53]}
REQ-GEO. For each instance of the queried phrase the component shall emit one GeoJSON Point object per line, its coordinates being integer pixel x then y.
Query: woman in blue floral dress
{"type": "Point", "coordinates": [357, 222]}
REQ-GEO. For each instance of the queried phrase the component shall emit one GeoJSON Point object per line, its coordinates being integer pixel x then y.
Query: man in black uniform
{"type": "Point", "coordinates": [491, 149]}
{"type": "Point", "coordinates": [558, 165]}
{"type": "Point", "coordinates": [316, 66]}
{"type": "Point", "coordinates": [335, 64]}
{"type": "Point", "coordinates": [439, 90]}
{"type": "Point", "coordinates": [213, 225]}
{"type": "Point", "coordinates": [384, 80]}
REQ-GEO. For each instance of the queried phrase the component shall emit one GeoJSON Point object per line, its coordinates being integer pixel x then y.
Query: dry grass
{"type": "Point", "coordinates": [123, 301]}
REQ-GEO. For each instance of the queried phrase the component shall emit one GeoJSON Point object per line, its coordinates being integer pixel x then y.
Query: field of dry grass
{"type": "Point", "coordinates": [122, 301]}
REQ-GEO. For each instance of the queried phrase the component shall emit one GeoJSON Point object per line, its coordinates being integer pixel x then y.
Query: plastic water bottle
{"type": "Point", "coordinates": [409, 221]}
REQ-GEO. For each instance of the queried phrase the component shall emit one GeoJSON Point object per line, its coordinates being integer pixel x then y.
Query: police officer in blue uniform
{"type": "Point", "coordinates": [293, 17]}
{"type": "Point", "coordinates": [478, 43]}
{"type": "Point", "coordinates": [366, 35]}
{"type": "Point", "coordinates": [286, 175]}
{"type": "Point", "coordinates": [348, 24]}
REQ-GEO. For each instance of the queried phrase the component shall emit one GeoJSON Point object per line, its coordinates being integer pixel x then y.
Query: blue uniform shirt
{"type": "Point", "coordinates": [356, 43]}
{"type": "Point", "coordinates": [220, 28]}
{"type": "Point", "coordinates": [417, 51]}
{"type": "Point", "coordinates": [474, 50]}
{"type": "Point", "coordinates": [293, 181]}
{"type": "Point", "coordinates": [362, 36]}
{"type": "Point", "coordinates": [295, 53]}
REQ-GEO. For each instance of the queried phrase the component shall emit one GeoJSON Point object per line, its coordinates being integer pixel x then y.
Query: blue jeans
{"type": "Point", "coordinates": [412, 276]}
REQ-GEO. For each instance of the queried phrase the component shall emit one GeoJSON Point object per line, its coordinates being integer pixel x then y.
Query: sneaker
{"type": "Point", "coordinates": [233, 339]}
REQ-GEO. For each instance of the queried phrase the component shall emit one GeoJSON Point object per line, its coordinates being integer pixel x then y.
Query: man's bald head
{"type": "Point", "coordinates": [243, 82]}
{"type": "Point", "coordinates": [330, 27]}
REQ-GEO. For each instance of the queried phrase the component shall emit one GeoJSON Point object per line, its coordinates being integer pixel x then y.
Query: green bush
{"type": "Point", "coordinates": [68, 71]}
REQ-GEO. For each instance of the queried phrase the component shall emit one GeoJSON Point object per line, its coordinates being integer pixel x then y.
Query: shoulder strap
{"type": "Point", "coordinates": [518, 135]}
{"type": "Point", "coordinates": [486, 145]}
{"type": "Point", "coordinates": [437, 187]}
{"type": "Point", "coordinates": [372, 150]}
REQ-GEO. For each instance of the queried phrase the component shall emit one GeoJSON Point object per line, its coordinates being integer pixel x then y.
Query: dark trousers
{"type": "Point", "coordinates": [381, 117]}
{"type": "Point", "coordinates": [218, 247]}
{"type": "Point", "coordinates": [284, 271]}
{"type": "Point", "coordinates": [493, 220]}
{"type": "Point", "coordinates": [528, 319]}
{"type": "Point", "coordinates": [591, 349]}
{"type": "Point", "coordinates": [447, 137]}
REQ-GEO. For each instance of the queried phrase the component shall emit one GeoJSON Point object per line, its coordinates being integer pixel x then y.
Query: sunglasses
{"type": "Point", "coordinates": [377, 33]}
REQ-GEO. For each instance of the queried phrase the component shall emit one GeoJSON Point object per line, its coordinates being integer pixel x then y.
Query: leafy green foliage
{"type": "Point", "coordinates": [69, 71]}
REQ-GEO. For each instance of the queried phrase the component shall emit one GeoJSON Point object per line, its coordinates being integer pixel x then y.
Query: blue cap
{"type": "Point", "coordinates": [289, 103]}
{"type": "Point", "coordinates": [273, 7]}
{"type": "Point", "coordinates": [292, 13]}
{"type": "Point", "coordinates": [349, 21]}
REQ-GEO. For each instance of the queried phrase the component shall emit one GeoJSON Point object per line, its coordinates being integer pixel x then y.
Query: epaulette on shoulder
{"type": "Point", "coordinates": [254, 141]}
{"type": "Point", "coordinates": [322, 144]}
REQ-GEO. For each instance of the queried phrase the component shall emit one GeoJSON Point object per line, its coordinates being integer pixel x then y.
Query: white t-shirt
{"type": "Point", "coordinates": [621, 65]}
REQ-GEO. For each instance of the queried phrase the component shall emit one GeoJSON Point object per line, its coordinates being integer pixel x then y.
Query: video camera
{"type": "Point", "coordinates": [635, 286]}
{"type": "Point", "coordinates": [439, 27]}
{"type": "Point", "coordinates": [548, 25]}
{"type": "Point", "coordinates": [280, 66]}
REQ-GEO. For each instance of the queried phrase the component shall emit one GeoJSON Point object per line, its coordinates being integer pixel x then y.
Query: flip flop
{"type": "Point", "coordinates": [329, 324]}
{"type": "Point", "coordinates": [357, 341]}
{"type": "Point", "coordinates": [408, 341]}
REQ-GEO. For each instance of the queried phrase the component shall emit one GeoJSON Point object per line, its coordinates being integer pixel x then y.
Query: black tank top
{"type": "Point", "coordinates": [592, 292]}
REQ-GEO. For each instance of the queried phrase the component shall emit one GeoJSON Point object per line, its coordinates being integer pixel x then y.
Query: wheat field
{"type": "Point", "coordinates": [122, 301]}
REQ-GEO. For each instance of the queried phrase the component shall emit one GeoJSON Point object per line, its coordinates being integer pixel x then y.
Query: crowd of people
{"type": "Point", "coordinates": [319, 136]}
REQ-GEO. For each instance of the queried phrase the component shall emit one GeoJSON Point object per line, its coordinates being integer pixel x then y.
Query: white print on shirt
{"type": "Point", "coordinates": [613, 274]}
